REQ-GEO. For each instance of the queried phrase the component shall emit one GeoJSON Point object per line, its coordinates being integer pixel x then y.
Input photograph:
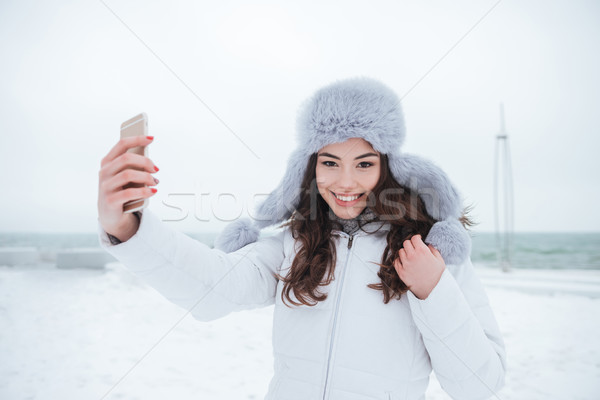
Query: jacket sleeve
{"type": "Point", "coordinates": [207, 282]}
{"type": "Point", "coordinates": [461, 334]}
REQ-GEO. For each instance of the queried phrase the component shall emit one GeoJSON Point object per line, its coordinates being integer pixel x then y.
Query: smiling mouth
{"type": "Point", "coordinates": [347, 198]}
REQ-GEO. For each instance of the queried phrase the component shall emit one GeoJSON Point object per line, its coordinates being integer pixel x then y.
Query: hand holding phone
{"type": "Point", "coordinates": [124, 179]}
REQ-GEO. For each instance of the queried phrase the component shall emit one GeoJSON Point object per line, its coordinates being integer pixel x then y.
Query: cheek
{"type": "Point", "coordinates": [324, 179]}
{"type": "Point", "coordinates": [370, 181]}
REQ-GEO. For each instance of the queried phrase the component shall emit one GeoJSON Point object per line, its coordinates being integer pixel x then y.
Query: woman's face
{"type": "Point", "coordinates": [346, 173]}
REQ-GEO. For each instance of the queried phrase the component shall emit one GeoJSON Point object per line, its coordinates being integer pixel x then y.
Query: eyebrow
{"type": "Point", "coordinates": [357, 158]}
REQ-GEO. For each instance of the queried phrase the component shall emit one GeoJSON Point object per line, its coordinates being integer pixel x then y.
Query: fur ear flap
{"type": "Point", "coordinates": [441, 198]}
{"type": "Point", "coordinates": [236, 235]}
{"type": "Point", "coordinates": [281, 202]}
{"type": "Point", "coordinates": [451, 239]}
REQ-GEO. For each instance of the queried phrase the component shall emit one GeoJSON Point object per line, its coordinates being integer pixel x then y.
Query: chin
{"type": "Point", "coordinates": [347, 213]}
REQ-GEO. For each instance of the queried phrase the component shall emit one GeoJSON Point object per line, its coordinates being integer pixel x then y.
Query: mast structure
{"type": "Point", "coordinates": [503, 197]}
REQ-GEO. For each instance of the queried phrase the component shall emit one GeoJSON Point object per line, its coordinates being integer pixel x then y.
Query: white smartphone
{"type": "Point", "coordinates": [136, 126]}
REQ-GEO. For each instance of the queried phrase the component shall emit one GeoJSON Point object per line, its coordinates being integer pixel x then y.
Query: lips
{"type": "Point", "coordinates": [347, 197]}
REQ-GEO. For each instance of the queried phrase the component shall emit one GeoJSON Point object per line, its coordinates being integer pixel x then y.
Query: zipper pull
{"type": "Point", "coordinates": [350, 241]}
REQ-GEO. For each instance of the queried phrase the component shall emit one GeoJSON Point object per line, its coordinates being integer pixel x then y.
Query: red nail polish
{"type": "Point", "coordinates": [150, 137]}
{"type": "Point", "coordinates": [156, 168]}
{"type": "Point", "coordinates": [154, 190]}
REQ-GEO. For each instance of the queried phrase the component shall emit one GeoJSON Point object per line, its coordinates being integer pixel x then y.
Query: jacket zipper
{"type": "Point", "coordinates": [337, 305]}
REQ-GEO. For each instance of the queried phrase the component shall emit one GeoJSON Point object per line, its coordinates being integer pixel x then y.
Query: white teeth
{"type": "Point", "coordinates": [346, 198]}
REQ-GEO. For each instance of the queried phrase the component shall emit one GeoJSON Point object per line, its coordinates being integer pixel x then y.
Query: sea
{"type": "Point", "coordinates": [528, 250]}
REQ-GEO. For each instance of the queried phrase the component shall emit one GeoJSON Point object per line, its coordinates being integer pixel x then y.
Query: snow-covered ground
{"type": "Point", "coordinates": [84, 334]}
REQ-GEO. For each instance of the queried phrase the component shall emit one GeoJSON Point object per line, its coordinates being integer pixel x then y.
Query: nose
{"type": "Point", "coordinates": [346, 181]}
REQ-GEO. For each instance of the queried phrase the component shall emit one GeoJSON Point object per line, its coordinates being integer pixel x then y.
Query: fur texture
{"type": "Point", "coordinates": [237, 235]}
{"type": "Point", "coordinates": [451, 239]}
{"type": "Point", "coordinates": [441, 199]}
{"type": "Point", "coordinates": [365, 108]}
{"type": "Point", "coordinates": [357, 107]}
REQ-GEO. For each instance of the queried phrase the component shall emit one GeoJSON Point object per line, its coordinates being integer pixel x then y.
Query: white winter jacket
{"type": "Point", "coordinates": [351, 346]}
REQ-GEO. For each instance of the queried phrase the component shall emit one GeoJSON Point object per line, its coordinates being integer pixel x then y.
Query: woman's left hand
{"type": "Point", "coordinates": [420, 266]}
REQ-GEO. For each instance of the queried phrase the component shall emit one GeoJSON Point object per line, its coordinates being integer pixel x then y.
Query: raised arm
{"type": "Point", "coordinates": [207, 282]}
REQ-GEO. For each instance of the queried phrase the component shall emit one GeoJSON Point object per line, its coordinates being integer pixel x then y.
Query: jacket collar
{"type": "Point", "coordinates": [366, 229]}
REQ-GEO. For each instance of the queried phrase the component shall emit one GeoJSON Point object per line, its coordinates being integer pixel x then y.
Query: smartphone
{"type": "Point", "coordinates": [136, 126]}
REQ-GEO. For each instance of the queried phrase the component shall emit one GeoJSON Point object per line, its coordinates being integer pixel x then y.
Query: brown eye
{"type": "Point", "coordinates": [329, 163]}
{"type": "Point", "coordinates": [365, 164]}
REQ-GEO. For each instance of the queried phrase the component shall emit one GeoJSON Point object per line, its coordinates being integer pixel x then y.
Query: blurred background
{"type": "Point", "coordinates": [73, 71]}
{"type": "Point", "coordinates": [221, 83]}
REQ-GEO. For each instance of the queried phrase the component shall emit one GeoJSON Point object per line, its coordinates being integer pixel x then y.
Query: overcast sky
{"type": "Point", "coordinates": [221, 83]}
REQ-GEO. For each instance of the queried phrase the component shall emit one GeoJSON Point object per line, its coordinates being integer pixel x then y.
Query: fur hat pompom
{"type": "Point", "coordinates": [451, 239]}
{"type": "Point", "coordinates": [236, 235]}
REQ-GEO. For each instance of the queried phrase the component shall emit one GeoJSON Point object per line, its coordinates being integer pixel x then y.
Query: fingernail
{"type": "Point", "coordinates": [156, 180]}
{"type": "Point", "coordinates": [156, 168]}
{"type": "Point", "coordinates": [154, 190]}
{"type": "Point", "coordinates": [150, 137]}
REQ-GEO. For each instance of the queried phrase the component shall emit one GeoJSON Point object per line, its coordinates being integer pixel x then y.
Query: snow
{"type": "Point", "coordinates": [103, 334]}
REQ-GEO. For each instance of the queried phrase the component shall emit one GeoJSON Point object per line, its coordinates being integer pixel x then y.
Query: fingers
{"type": "Point", "coordinates": [413, 246]}
{"type": "Point", "coordinates": [402, 256]}
{"type": "Point", "coordinates": [126, 176]}
{"type": "Point", "coordinates": [417, 242]}
{"type": "Point", "coordinates": [123, 196]}
{"type": "Point", "coordinates": [123, 145]}
{"type": "Point", "coordinates": [435, 251]}
{"type": "Point", "coordinates": [408, 247]}
{"type": "Point", "coordinates": [127, 161]}
{"type": "Point", "coordinates": [398, 265]}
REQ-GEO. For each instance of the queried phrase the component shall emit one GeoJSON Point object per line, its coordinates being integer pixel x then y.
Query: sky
{"type": "Point", "coordinates": [221, 83]}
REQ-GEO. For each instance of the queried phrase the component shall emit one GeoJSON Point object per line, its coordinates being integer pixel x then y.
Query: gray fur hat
{"type": "Point", "coordinates": [365, 108]}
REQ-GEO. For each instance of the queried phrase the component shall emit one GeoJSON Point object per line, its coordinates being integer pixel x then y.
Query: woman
{"type": "Point", "coordinates": [364, 309]}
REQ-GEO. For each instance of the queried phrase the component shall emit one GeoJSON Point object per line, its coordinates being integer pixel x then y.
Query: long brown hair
{"type": "Point", "coordinates": [314, 264]}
